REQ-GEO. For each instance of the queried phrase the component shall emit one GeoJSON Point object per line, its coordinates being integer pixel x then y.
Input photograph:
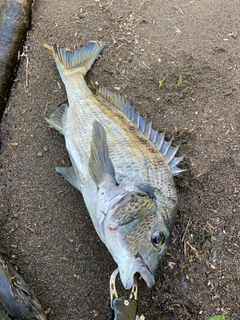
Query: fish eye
{"type": "Point", "coordinates": [158, 238]}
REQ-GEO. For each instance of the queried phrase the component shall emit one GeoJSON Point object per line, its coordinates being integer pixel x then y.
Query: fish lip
{"type": "Point", "coordinates": [139, 266]}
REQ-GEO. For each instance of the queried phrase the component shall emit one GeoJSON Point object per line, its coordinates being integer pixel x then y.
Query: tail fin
{"type": "Point", "coordinates": [81, 59]}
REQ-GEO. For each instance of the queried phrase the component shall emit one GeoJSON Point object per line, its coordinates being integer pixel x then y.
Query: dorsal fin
{"type": "Point", "coordinates": [157, 138]}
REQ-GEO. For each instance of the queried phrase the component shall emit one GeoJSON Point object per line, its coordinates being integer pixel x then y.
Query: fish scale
{"type": "Point", "coordinates": [123, 168]}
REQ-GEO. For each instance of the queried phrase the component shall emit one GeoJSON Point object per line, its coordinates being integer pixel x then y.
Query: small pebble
{"type": "Point", "coordinates": [45, 149]}
{"type": "Point", "coordinates": [77, 276]}
{"type": "Point", "coordinates": [77, 249]}
{"type": "Point", "coordinates": [39, 154]}
{"type": "Point", "coordinates": [184, 285]}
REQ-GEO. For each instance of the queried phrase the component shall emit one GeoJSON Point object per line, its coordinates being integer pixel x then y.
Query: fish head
{"type": "Point", "coordinates": [146, 242]}
{"type": "Point", "coordinates": [137, 237]}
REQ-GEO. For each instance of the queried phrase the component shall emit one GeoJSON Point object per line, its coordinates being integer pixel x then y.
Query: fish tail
{"type": "Point", "coordinates": [80, 60]}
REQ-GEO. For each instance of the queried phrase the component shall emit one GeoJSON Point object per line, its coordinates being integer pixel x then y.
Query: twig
{"type": "Point", "coordinates": [27, 71]}
{"type": "Point", "coordinates": [212, 227]}
{"type": "Point", "coordinates": [27, 227]}
{"type": "Point", "coordinates": [120, 46]}
{"type": "Point", "coordinates": [185, 248]}
{"type": "Point", "coordinates": [180, 10]}
{"type": "Point", "coordinates": [194, 250]}
{"type": "Point", "coordinates": [25, 55]}
{"type": "Point", "coordinates": [185, 232]}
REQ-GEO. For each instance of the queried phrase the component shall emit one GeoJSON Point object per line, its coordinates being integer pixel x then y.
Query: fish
{"type": "Point", "coordinates": [123, 168]}
{"type": "Point", "coordinates": [17, 299]}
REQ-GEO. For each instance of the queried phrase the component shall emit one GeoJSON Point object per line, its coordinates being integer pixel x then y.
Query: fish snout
{"type": "Point", "coordinates": [137, 266]}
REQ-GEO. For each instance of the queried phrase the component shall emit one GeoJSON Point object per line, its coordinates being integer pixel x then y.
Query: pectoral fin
{"type": "Point", "coordinates": [70, 175]}
{"type": "Point", "coordinates": [55, 119]}
{"type": "Point", "coordinates": [100, 164]}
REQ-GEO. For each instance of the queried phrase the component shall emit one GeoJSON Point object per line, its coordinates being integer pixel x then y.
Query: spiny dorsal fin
{"type": "Point", "coordinates": [157, 138]}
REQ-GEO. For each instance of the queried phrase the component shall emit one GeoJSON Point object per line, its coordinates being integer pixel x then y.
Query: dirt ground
{"type": "Point", "coordinates": [178, 63]}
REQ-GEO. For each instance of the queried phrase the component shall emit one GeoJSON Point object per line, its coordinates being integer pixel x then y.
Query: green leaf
{"type": "Point", "coordinates": [218, 317]}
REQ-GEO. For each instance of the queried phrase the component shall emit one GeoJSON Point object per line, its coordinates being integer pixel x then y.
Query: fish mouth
{"type": "Point", "coordinates": [137, 267]}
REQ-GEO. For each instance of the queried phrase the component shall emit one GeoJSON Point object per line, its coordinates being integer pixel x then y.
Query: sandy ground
{"type": "Point", "coordinates": [192, 48]}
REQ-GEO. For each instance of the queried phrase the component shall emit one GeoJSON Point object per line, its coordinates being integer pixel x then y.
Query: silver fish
{"type": "Point", "coordinates": [123, 168]}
